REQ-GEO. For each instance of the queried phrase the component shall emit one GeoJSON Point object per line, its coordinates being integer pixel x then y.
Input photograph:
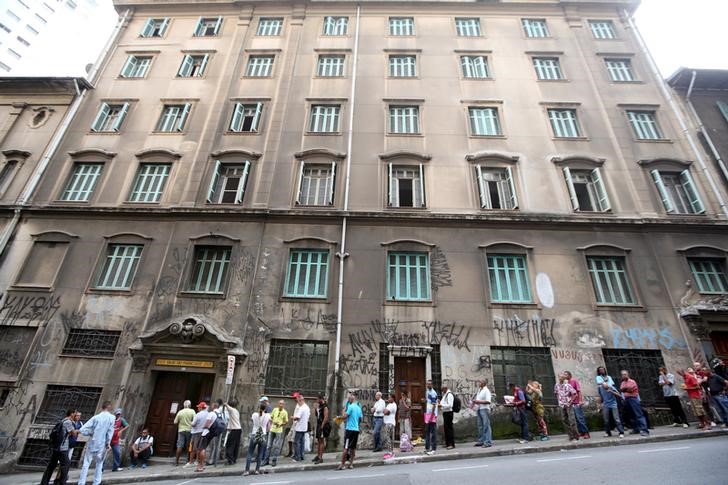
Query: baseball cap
{"type": "Point", "coordinates": [296, 395]}
{"type": "Point", "coordinates": [117, 411]}
{"type": "Point", "coordinates": [202, 405]}
{"type": "Point", "coordinates": [264, 398]}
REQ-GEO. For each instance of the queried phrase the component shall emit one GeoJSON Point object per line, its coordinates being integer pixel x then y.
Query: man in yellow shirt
{"type": "Point", "coordinates": [279, 418]}
{"type": "Point", "coordinates": [183, 420]}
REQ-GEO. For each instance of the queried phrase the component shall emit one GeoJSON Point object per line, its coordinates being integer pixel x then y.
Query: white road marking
{"type": "Point", "coordinates": [665, 449]}
{"type": "Point", "coordinates": [349, 477]}
{"type": "Point", "coordinates": [188, 481]}
{"type": "Point", "coordinates": [269, 483]}
{"type": "Point", "coordinates": [565, 458]}
{"type": "Point", "coordinates": [458, 468]}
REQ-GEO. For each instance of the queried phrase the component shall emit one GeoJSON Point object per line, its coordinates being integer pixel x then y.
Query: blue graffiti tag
{"type": "Point", "coordinates": [645, 338]}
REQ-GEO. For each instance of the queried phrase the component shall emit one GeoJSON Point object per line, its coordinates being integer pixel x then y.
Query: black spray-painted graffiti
{"type": "Point", "coordinates": [168, 284]}
{"type": "Point", "coordinates": [439, 270]}
{"type": "Point", "coordinates": [420, 333]}
{"type": "Point", "coordinates": [363, 364]}
{"type": "Point", "coordinates": [536, 332]}
{"type": "Point", "coordinates": [32, 310]}
{"type": "Point", "coordinates": [311, 320]}
{"type": "Point", "coordinates": [482, 364]}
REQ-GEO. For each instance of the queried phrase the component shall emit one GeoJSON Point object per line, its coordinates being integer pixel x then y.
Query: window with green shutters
{"type": "Point", "coordinates": [467, 27]}
{"type": "Point", "coordinates": [173, 117]}
{"type": "Point", "coordinates": [259, 66]}
{"type": "Point", "coordinates": [193, 65]}
{"type": "Point", "coordinates": [610, 280]}
{"type": "Point", "coordinates": [484, 121]}
{"type": "Point", "coordinates": [620, 70]}
{"type": "Point", "coordinates": [82, 182]}
{"type": "Point", "coordinates": [548, 68]}
{"type": "Point", "coordinates": [402, 66]}
{"type": "Point", "coordinates": [270, 26]}
{"type": "Point", "coordinates": [119, 267]}
{"type": "Point", "coordinates": [586, 190]}
{"type": "Point", "coordinates": [535, 28]}
{"type": "Point", "coordinates": [110, 117]}
{"type": "Point", "coordinates": [208, 26]}
{"type": "Point", "coordinates": [401, 26]}
{"type": "Point", "coordinates": [330, 66]}
{"type": "Point", "coordinates": [308, 273]}
{"type": "Point", "coordinates": [644, 125]}
{"type": "Point", "coordinates": [678, 192]}
{"type": "Point", "coordinates": [228, 183]}
{"type": "Point", "coordinates": [210, 269]}
{"type": "Point", "coordinates": [149, 182]}
{"type": "Point", "coordinates": [246, 117]}
{"type": "Point", "coordinates": [155, 27]}
{"type": "Point", "coordinates": [136, 67]}
{"type": "Point", "coordinates": [508, 276]}
{"type": "Point", "coordinates": [474, 67]}
{"type": "Point", "coordinates": [709, 275]}
{"type": "Point", "coordinates": [602, 29]}
{"type": "Point", "coordinates": [564, 123]}
{"type": "Point", "coordinates": [408, 276]}
{"type": "Point", "coordinates": [496, 188]}
{"type": "Point", "coordinates": [335, 26]}
{"type": "Point", "coordinates": [404, 119]}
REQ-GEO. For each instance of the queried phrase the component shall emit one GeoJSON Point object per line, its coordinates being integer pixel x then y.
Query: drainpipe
{"type": "Point", "coordinates": [701, 127]}
{"type": "Point", "coordinates": [342, 254]}
{"type": "Point", "coordinates": [681, 120]}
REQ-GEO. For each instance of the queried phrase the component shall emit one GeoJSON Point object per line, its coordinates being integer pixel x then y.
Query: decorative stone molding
{"type": "Point", "coordinates": [188, 331]}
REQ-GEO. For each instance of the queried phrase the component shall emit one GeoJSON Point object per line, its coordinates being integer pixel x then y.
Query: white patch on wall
{"type": "Point", "coordinates": [544, 290]}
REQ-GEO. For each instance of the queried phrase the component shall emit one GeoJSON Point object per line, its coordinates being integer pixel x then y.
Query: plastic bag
{"type": "Point", "coordinates": [307, 443]}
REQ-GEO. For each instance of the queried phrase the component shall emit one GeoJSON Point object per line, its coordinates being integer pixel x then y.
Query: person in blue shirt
{"type": "Point", "coordinates": [608, 394]}
{"type": "Point", "coordinates": [352, 415]}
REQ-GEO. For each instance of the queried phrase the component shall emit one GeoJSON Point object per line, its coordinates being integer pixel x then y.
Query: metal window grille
{"type": "Point", "coordinates": [404, 119]}
{"type": "Point", "coordinates": [620, 70]}
{"type": "Point", "coordinates": [330, 66]}
{"type": "Point", "coordinates": [297, 365]}
{"type": "Point", "coordinates": [508, 274]}
{"type": "Point", "coordinates": [317, 184]}
{"type": "Point", "coordinates": [484, 121]}
{"type": "Point", "coordinates": [535, 27]}
{"type": "Point", "coordinates": [474, 66]}
{"type": "Point", "coordinates": [709, 274]}
{"type": "Point", "coordinates": [644, 125]}
{"type": "Point", "coordinates": [173, 117]}
{"type": "Point", "coordinates": [436, 367]}
{"type": "Point", "coordinates": [643, 366]}
{"type": "Point", "coordinates": [409, 276]}
{"type": "Point", "coordinates": [82, 182]}
{"type": "Point", "coordinates": [136, 66]}
{"type": "Point", "coordinates": [547, 68]}
{"type": "Point", "coordinates": [564, 123]}
{"type": "Point", "coordinates": [155, 27]}
{"type": "Point", "coordinates": [308, 273]}
{"type": "Point", "coordinates": [270, 26]}
{"type": "Point", "coordinates": [603, 29]}
{"type": "Point", "coordinates": [496, 188]}
{"type": "Point", "coordinates": [406, 186]}
{"type": "Point", "coordinates": [58, 399]}
{"type": "Point", "coordinates": [228, 183]}
{"type": "Point", "coordinates": [335, 25]}
{"type": "Point", "coordinates": [210, 269]}
{"type": "Point", "coordinates": [401, 26]}
{"type": "Point", "coordinates": [518, 365]}
{"type": "Point", "coordinates": [678, 193]}
{"type": "Point", "coordinates": [324, 118]}
{"type": "Point", "coordinates": [246, 117]}
{"type": "Point", "coordinates": [193, 66]}
{"type": "Point", "coordinates": [467, 27]}
{"type": "Point", "coordinates": [610, 280]}
{"type": "Point", "coordinates": [35, 453]}
{"type": "Point", "coordinates": [150, 181]}
{"type": "Point", "coordinates": [91, 343]}
{"type": "Point", "coordinates": [119, 267]}
{"type": "Point", "coordinates": [402, 66]}
{"type": "Point", "coordinates": [383, 374]}
{"type": "Point", "coordinates": [259, 66]}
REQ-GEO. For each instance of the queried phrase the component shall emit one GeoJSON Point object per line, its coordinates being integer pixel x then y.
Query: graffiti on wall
{"type": "Point", "coordinates": [33, 310]}
{"type": "Point", "coordinates": [645, 338]}
{"type": "Point", "coordinates": [534, 332]}
{"type": "Point", "coordinates": [440, 274]}
{"type": "Point", "coordinates": [418, 333]}
{"type": "Point", "coordinates": [308, 320]}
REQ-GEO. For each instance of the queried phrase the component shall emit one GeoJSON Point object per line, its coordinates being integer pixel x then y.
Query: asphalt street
{"type": "Point", "coordinates": [687, 462]}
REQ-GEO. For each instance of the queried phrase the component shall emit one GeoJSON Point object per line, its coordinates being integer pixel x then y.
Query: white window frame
{"type": "Point", "coordinates": [603, 29]}
{"type": "Point", "coordinates": [269, 26]}
{"type": "Point", "coordinates": [204, 23]}
{"type": "Point", "coordinates": [101, 123]}
{"type": "Point", "coordinates": [418, 185]}
{"type": "Point", "coordinates": [318, 191]}
{"type": "Point", "coordinates": [401, 26]}
{"type": "Point", "coordinates": [149, 182]}
{"type": "Point", "coordinates": [135, 67]}
{"type": "Point", "coordinates": [403, 65]}
{"type": "Point", "coordinates": [260, 65]}
{"type": "Point", "coordinates": [173, 118]}
{"type": "Point", "coordinates": [678, 201]}
{"type": "Point", "coordinates": [325, 118]}
{"type": "Point", "coordinates": [190, 66]}
{"type": "Point", "coordinates": [620, 70]}
{"type": "Point", "coordinates": [644, 124]}
{"type": "Point", "coordinates": [474, 67]}
{"type": "Point", "coordinates": [468, 27]}
{"type": "Point", "coordinates": [548, 68]}
{"type": "Point", "coordinates": [506, 187]}
{"type": "Point", "coordinates": [595, 187]}
{"type": "Point", "coordinates": [484, 121]}
{"type": "Point", "coordinates": [150, 26]}
{"type": "Point", "coordinates": [215, 193]}
{"type": "Point", "coordinates": [564, 122]}
{"type": "Point", "coordinates": [335, 26]}
{"type": "Point", "coordinates": [331, 65]}
{"type": "Point", "coordinates": [535, 28]}
{"type": "Point", "coordinates": [403, 120]}
{"type": "Point", "coordinates": [82, 181]}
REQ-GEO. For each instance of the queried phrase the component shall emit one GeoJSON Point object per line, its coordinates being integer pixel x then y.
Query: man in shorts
{"type": "Point", "coordinates": [183, 420]}
{"type": "Point", "coordinates": [695, 393]}
{"type": "Point", "coordinates": [196, 432]}
{"type": "Point", "coordinates": [352, 414]}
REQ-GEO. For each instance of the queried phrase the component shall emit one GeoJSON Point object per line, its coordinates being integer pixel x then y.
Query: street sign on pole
{"type": "Point", "coordinates": [230, 369]}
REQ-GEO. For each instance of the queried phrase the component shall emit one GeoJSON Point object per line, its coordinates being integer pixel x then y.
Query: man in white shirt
{"type": "Point", "coordinates": [234, 430]}
{"type": "Point", "coordinates": [142, 449]}
{"type": "Point", "coordinates": [378, 413]}
{"type": "Point", "coordinates": [100, 428]}
{"type": "Point", "coordinates": [390, 419]}
{"type": "Point", "coordinates": [447, 415]}
{"type": "Point", "coordinates": [482, 404]}
{"type": "Point", "coordinates": [197, 425]}
{"type": "Point", "coordinates": [300, 425]}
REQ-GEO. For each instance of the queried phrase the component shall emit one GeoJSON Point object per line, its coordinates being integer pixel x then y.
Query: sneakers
{"type": "Point", "coordinates": [607, 435]}
{"type": "Point", "coordinates": [621, 435]}
{"type": "Point", "coordinates": [351, 466]}
{"type": "Point", "coordinates": [685, 425]}
{"type": "Point", "coordinates": [644, 433]}
{"type": "Point", "coordinates": [144, 465]}
{"type": "Point", "coordinates": [523, 441]}
{"type": "Point", "coordinates": [544, 438]}
{"type": "Point", "coordinates": [315, 459]}
{"type": "Point", "coordinates": [430, 452]}
{"type": "Point", "coordinates": [712, 425]}
{"type": "Point", "coordinates": [246, 473]}
{"type": "Point", "coordinates": [478, 444]}
{"type": "Point", "coordinates": [187, 465]}
{"type": "Point", "coordinates": [341, 467]}
{"type": "Point", "coordinates": [388, 455]}
{"type": "Point", "coordinates": [675, 425]}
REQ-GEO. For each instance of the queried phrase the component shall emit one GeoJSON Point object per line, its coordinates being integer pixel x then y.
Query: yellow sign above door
{"type": "Point", "coordinates": [185, 363]}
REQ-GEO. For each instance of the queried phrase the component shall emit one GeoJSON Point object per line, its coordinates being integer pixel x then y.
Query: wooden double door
{"type": "Point", "coordinates": [410, 375]}
{"type": "Point", "coordinates": [170, 391]}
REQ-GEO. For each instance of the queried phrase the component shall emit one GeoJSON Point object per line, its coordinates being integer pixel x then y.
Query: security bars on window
{"type": "Point", "coordinates": [210, 269]}
{"type": "Point", "coordinates": [335, 25]}
{"type": "Point", "coordinates": [496, 188]}
{"type": "Point", "coordinates": [677, 192]}
{"type": "Point", "coordinates": [535, 27]}
{"type": "Point", "coordinates": [586, 190]}
{"type": "Point", "coordinates": [136, 66]}
{"type": "Point", "coordinates": [474, 67]}
{"type": "Point", "coordinates": [297, 365]}
{"type": "Point", "coordinates": [644, 125]}
{"type": "Point", "coordinates": [119, 267]}
{"type": "Point", "coordinates": [467, 27]}
{"type": "Point", "coordinates": [521, 364]}
{"type": "Point", "coordinates": [330, 66]}
{"type": "Point", "coordinates": [259, 66]}
{"type": "Point", "coordinates": [308, 273]}
{"type": "Point", "coordinates": [564, 123]}
{"type": "Point", "coordinates": [316, 184]}
{"type": "Point", "coordinates": [82, 182]}
{"type": "Point", "coordinates": [193, 66]}
{"type": "Point", "coordinates": [508, 276]}
{"type": "Point", "coordinates": [610, 280]}
{"type": "Point", "coordinates": [401, 26]}
{"type": "Point", "coordinates": [208, 26]}
{"type": "Point", "coordinates": [709, 275]}
{"type": "Point", "coordinates": [270, 26]}
{"type": "Point", "coordinates": [406, 186]}
{"type": "Point", "coordinates": [246, 117]}
{"type": "Point", "coordinates": [484, 121]}
{"type": "Point", "coordinates": [404, 119]}
{"type": "Point", "coordinates": [620, 70]}
{"type": "Point", "coordinates": [155, 27]}
{"type": "Point", "coordinates": [58, 399]}
{"type": "Point", "coordinates": [548, 68]}
{"type": "Point", "coordinates": [110, 117]}
{"type": "Point", "coordinates": [408, 276]}
{"type": "Point", "coordinates": [173, 117]}
{"type": "Point", "coordinates": [602, 29]}
{"type": "Point", "coordinates": [91, 343]}
{"type": "Point", "coordinates": [228, 183]}
{"type": "Point", "coordinates": [324, 118]}
{"type": "Point", "coordinates": [402, 66]}
{"type": "Point", "coordinates": [149, 183]}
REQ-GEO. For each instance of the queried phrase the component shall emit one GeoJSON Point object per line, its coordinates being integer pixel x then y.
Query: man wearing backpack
{"type": "Point", "coordinates": [59, 448]}
{"type": "Point", "coordinates": [446, 404]}
{"type": "Point", "coordinates": [213, 427]}
{"type": "Point", "coordinates": [100, 428]}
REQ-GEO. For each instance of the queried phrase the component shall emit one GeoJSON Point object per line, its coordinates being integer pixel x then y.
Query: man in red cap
{"type": "Point", "coordinates": [197, 425]}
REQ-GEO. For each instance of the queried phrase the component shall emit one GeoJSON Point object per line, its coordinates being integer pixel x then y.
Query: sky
{"type": "Point", "coordinates": [677, 32]}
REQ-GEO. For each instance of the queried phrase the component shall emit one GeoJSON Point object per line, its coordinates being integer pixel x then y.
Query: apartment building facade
{"type": "Point", "coordinates": [360, 196]}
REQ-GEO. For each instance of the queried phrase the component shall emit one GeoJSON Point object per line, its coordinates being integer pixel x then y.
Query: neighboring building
{"type": "Point", "coordinates": [516, 196]}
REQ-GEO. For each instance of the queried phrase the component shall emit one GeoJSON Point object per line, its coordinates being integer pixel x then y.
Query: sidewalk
{"type": "Point", "coordinates": [366, 458]}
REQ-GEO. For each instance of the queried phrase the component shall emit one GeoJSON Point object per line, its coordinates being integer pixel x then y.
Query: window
{"type": "Point", "coordinates": [210, 270]}
{"type": "Point", "coordinates": [496, 188]}
{"type": "Point", "coordinates": [335, 25]}
{"type": "Point", "coordinates": [508, 275]}
{"type": "Point", "coordinates": [484, 121]}
{"type": "Point", "coordinates": [4, 67]}
{"type": "Point", "coordinates": [324, 118]}
{"type": "Point", "coordinates": [409, 276]}
{"type": "Point", "coordinates": [406, 186]}
{"type": "Point", "coordinates": [401, 26]}
{"type": "Point", "coordinates": [136, 66]}
{"type": "Point", "coordinates": [173, 117]}
{"type": "Point", "coordinates": [28, 27]}
{"type": "Point", "coordinates": [677, 191]}
{"type": "Point", "coordinates": [208, 26]}
{"type": "Point", "coordinates": [620, 70]}
{"type": "Point", "coordinates": [149, 182]}
{"type": "Point", "coordinates": [404, 119]}
{"type": "Point", "coordinates": [308, 273]}
{"type": "Point", "coordinates": [259, 66]}
{"type": "Point", "coordinates": [610, 280]}
{"type": "Point", "coordinates": [316, 184]}
{"type": "Point", "coordinates": [14, 53]}
{"type": "Point", "coordinates": [548, 68]}
{"type": "Point", "coordinates": [383, 372]}
{"type": "Point", "coordinates": [297, 365]}
{"type": "Point", "coordinates": [246, 117]}
{"type": "Point", "coordinates": [402, 66]}
{"type": "Point", "coordinates": [228, 183]}
{"type": "Point", "coordinates": [42, 264]}
{"type": "Point", "coordinates": [155, 27]}
{"type": "Point", "coordinates": [23, 41]}
{"type": "Point", "coordinates": [564, 123]}
{"type": "Point", "coordinates": [270, 26]}
{"type": "Point", "coordinates": [6, 175]}
{"type": "Point", "coordinates": [5, 28]}
{"type": "Point", "coordinates": [91, 343]}
{"type": "Point", "coordinates": [644, 125]}
{"type": "Point", "coordinates": [12, 15]}
{"type": "Point", "coordinates": [119, 267]}
{"type": "Point", "coordinates": [193, 66]}
{"type": "Point", "coordinates": [474, 67]}
{"type": "Point", "coordinates": [520, 365]}
{"type": "Point", "coordinates": [110, 117]}
{"type": "Point", "coordinates": [709, 274]}
{"type": "Point", "coordinates": [586, 190]}
{"type": "Point", "coordinates": [723, 108]}
{"type": "Point", "coordinates": [82, 182]}
{"type": "Point", "coordinates": [643, 366]}
{"type": "Point", "coordinates": [41, 19]}
{"type": "Point", "coordinates": [535, 27]}
{"type": "Point", "coordinates": [467, 27]}
{"type": "Point", "coordinates": [602, 29]}
{"type": "Point", "coordinates": [330, 66]}
{"type": "Point", "coordinates": [58, 399]}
